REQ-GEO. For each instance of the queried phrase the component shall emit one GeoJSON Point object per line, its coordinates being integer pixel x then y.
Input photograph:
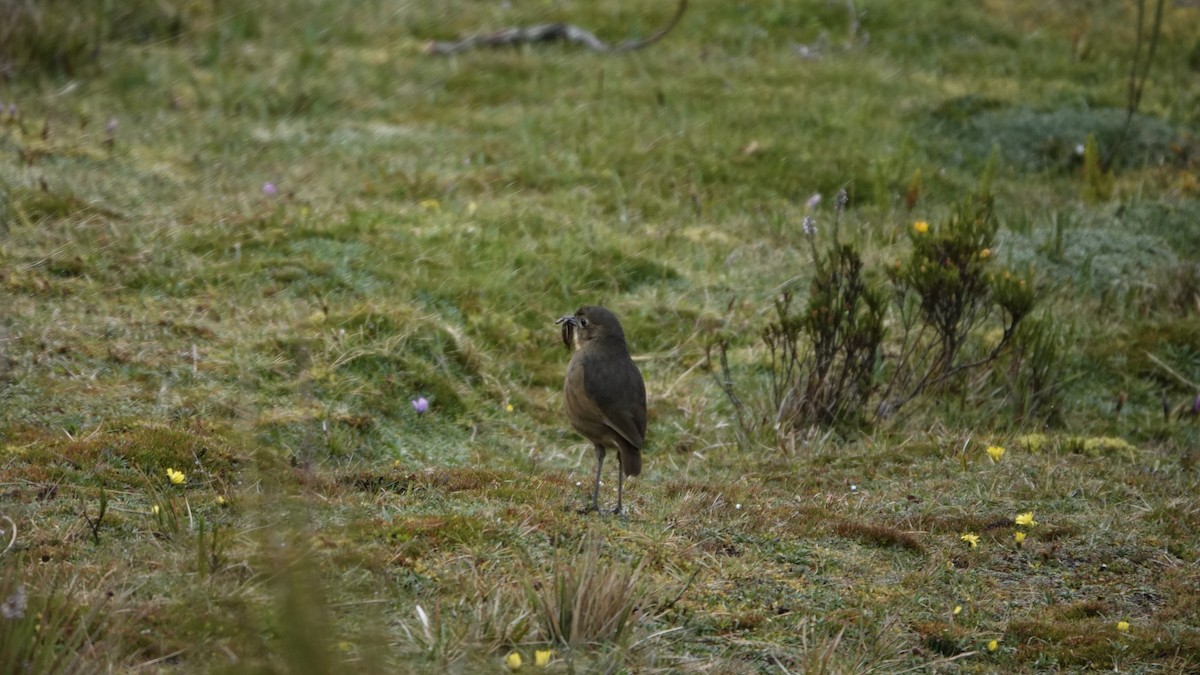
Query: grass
{"type": "Point", "coordinates": [430, 218]}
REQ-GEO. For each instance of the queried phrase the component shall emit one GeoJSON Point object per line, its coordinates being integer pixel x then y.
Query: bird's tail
{"type": "Point", "coordinates": [631, 461]}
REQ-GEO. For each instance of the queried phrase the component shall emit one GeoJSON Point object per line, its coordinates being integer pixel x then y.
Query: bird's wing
{"type": "Point", "coordinates": [619, 394]}
{"type": "Point", "coordinates": [586, 417]}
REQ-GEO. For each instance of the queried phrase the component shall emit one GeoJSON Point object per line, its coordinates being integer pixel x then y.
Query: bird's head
{"type": "Point", "coordinates": [591, 323]}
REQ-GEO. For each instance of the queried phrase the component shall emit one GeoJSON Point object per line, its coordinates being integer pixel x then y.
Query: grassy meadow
{"type": "Point", "coordinates": [238, 240]}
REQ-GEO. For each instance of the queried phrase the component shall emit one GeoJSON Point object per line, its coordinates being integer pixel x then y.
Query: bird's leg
{"type": "Point", "coordinates": [596, 483]}
{"type": "Point", "coordinates": [620, 484]}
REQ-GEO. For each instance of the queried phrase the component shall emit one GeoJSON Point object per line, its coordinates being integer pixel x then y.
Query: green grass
{"type": "Point", "coordinates": [158, 309]}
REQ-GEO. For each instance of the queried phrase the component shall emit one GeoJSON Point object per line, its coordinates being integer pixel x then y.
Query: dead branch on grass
{"type": "Point", "coordinates": [550, 32]}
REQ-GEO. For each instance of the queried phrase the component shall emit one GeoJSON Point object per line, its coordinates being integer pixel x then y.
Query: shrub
{"type": "Point", "coordinates": [1034, 373]}
{"type": "Point", "coordinates": [823, 361]}
{"type": "Point", "coordinates": [945, 273]}
{"type": "Point", "coordinates": [826, 365]}
{"type": "Point", "coordinates": [943, 293]}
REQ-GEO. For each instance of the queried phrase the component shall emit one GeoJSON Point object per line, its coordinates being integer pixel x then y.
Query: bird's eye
{"type": "Point", "coordinates": [583, 322]}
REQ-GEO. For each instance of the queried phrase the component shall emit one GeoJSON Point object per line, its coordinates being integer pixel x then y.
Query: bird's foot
{"type": "Point", "coordinates": [616, 511]}
{"type": "Point", "coordinates": [592, 508]}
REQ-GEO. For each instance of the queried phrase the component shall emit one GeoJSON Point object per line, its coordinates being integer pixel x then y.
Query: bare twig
{"type": "Point", "coordinates": [1174, 373]}
{"type": "Point", "coordinates": [724, 380]}
{"type": "Point", "coordinates": [95, 524]}
{"type": "Point", "coordinates": [1139, 72]}
{"type": "Point", "coordinates": [679, 596]}
{"type": "Point", "coordinates": [12, 539]}
{"type": "Point", "coordinates": [551, 32]}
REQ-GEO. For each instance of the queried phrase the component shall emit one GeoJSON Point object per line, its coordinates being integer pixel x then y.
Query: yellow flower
{"type": "Point", "coordinates": [176, 477]}
{"type": "Point", "coordinates": [957, 610]}
{"type": "Point", "coordinates": [995, 452]}
{"type": "Point", "coordinates": [155, 509]}
{"type": "Point", "coordinates": [985, 254]}
{"type": "Point", "coordinates": [1019, 537]}
{"type": "Point", "coordinates": [220, 500]}
{"type": "Point", "coordinates": [1123, 626]}
{"type": "Point", "coordinates": [993, 645]}
{"type": "Point", "coordinates": [971, 539]}
{"type": "Point", "coordinates": [513, 661]}
{"type": "Point", "coordinates": [431, 205]}
{"type": "Point", "coordinates": [1026, 519]}
{"type": "Point", "coordinates": [541, 658]}
{"type": "Point", "coordinates": [920, 227]}
{"type": "Point", "coordinates": [472, 207]}
{"type": "Point", "coordinates": [508, 408]}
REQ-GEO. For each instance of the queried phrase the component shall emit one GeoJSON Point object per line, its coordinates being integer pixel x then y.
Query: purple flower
{"type": "Point", "coordinates": [111, 127]}
{"type": "Point", "coordinates": [812, 202]}
{"type": "Point", "coordinates": [421, 405]}
{"type": "Point", "coordinates": [842, 200]}
{"type": "Point", "coordinates": [269, 189]}
{"type": "Point", "coordinates": [809, 226]}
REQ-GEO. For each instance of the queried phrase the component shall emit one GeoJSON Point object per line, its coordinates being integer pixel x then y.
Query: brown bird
{"type": "Point", "coordinates": [605, 396]}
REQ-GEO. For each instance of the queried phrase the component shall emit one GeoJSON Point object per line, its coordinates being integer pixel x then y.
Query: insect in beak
{"type": "Point", "coordinates": [569, 324]}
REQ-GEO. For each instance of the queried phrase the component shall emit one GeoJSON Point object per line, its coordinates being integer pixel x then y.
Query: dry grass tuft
{"type": "Point", "coordinates": [590, 600]}
{"type": "Point", "coordinates": [475, 627]}
{"type": "Point", "coordinates": [44, 626]}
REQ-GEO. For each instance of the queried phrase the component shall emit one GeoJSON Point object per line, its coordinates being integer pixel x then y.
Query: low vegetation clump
{"type": "Point", "coordinates": [951, 312]}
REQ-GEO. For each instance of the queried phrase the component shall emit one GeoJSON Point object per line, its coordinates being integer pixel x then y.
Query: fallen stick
{"type": "Point", "coordinates": [550, 32]}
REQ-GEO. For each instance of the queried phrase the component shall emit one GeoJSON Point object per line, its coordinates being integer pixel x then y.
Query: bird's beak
{"type": "Point", "coordinates": [569, 324]}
